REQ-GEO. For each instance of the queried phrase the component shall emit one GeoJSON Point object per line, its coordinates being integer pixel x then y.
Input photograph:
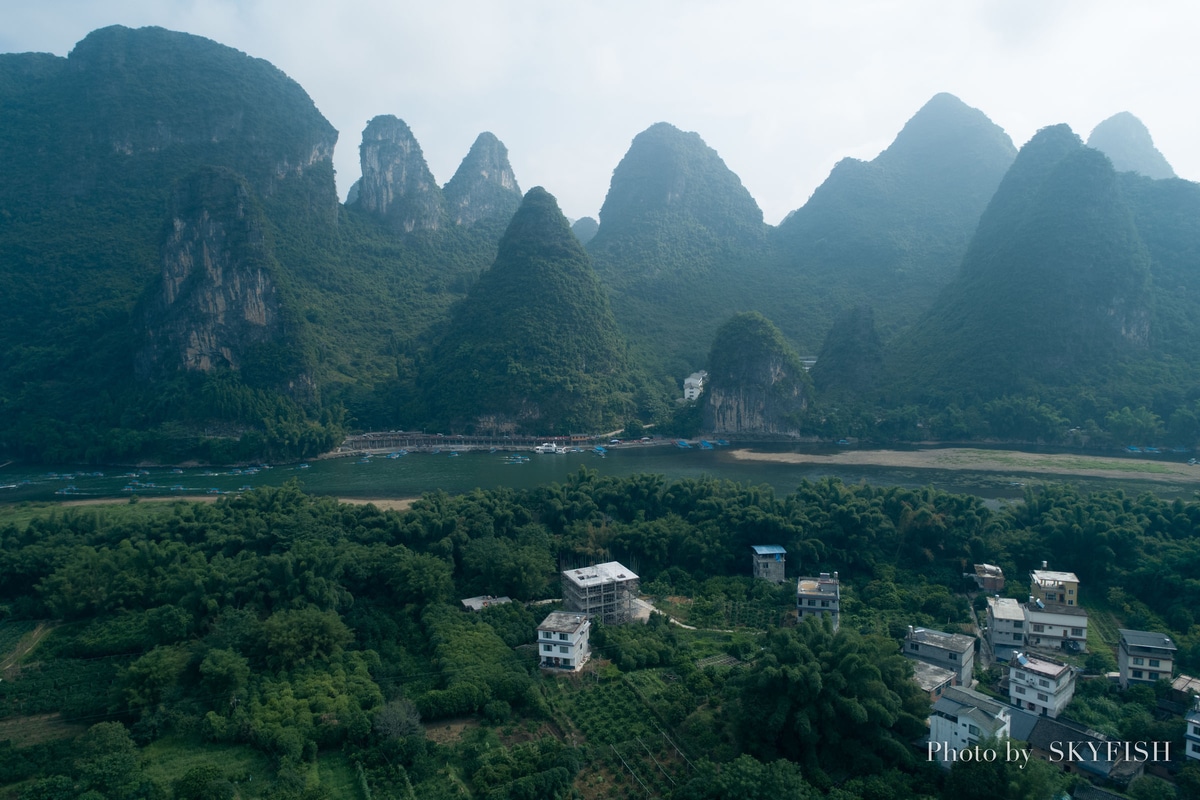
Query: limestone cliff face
{"type": "Point", "coordinates": [756, 383]}
{"type": "Point", "coordinates": [396, 182]}
{"type": "Point", "coordinates": [484, 186]}
{"type": "Point", "coordinates": [216, 300]}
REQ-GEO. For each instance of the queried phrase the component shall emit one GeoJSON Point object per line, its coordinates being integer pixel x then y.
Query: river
{"type": "Point", "coordinates": [414, 474]}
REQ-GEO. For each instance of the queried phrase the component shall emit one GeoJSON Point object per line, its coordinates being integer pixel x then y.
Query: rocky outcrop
{"type": "Point", "coordinates": [396, 183]}
{"type": "Point", "coordinates": [585, 229]}
{"type": "Point", "coordinates": [216, 300]}
{"type": "Point", "coordinates": [756, 382]}
{"type": "Point", "coordinates": [1128, 144]}
{"type": "Point", "coordinates": [484, 187]}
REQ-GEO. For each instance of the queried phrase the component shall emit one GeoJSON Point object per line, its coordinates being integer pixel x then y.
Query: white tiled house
{"type": "Point", "coordinates": [1040, 685]}
{"type": "Point", "coordinates": [562, 641]}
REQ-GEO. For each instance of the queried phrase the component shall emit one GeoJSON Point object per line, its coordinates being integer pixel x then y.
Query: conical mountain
{"type": "Point", "coordinates": [396, 183]}
{"type": "Point", "coordinates": [1054, 288]}
{"type": "Point", "coordinates": [484, 187]}
{"type": "Point", "coordinates": [892, 231]}
{"type": "Point", "coordinates": [756, 383]}
{"type": "Point", "coordinates": [677, 231]}
{"type": "Point", "coordinates": [1126, 141]}
{"type": "Point", "coordinates": [534, 347]}
{"type": "Point", "coordinates": [851, 360]}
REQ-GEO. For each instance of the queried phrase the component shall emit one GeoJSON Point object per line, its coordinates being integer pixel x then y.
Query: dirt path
{"type": "Point", "coordinates": [26, 644]}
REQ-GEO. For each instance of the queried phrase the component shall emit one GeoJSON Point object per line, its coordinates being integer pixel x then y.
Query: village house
{"type": "Point", "coordinates": [1005, 627]}
{"type": "Point", "coordinates": [962, 718]}
{"type": "Point", "coordinates": [1191, 733]}
{"type": "Point", "coordinates": [1054, 587]}
{"type": "Point", "coordinates": [562, 640]}
{"type": "Point", "coordinates": [1040, 685]}
{"type": "Point", "coordinates": [820, 595]}
{"type": "Point", "coordinates": [1052, 739]}
{"type": "Point", "coordinates": [693, 385]}
{"type": "Point", "coordinates": [933, 680]}
{"type": "Point", "coordinates": [952, 651]}
{"type": "Point", "coordinates": [1144, 657]}
{"type": "Point", "coordinates": [769, 562]}
{"type": "Point", "coordinates": [483, 601]}
{"type": "Point", "coordinates": [988, 577]}
{"type": "Point", "coordinates": [1053, 626]}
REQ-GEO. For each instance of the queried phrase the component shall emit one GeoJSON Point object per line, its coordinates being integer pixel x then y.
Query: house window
{"type": "Point", "coordinates": [1038, 628]}
{"type": "Point", "coordinates": [1042, 697]}
{"type": "Point", "coordinates": [973, 730]}
{"type": "Point", "coordinates": [1137, 662]}
{"type": "Point", "coordinates": [1077, 631]}
{"type": "Point", "coordinates": [1070, 591]}
{"type": "Point", "coordinates": [1018, 625]}
{"type": "Point", "coordinates": [953, 656]}
{"type": "Point", "coordinates": [1196, 730]}
{"type": "Point", "coordinates": [1016, 637]}
{"type": "Point", "coordinates": [1137, 673]}
{"type": "Point", "coordinates": [1195, 747]}
{"type": "Point", "coordinates": [1020, 675]}
{"type": "Point", "coordinates": [914, 646]}
{"type": "Point", "coordinates": [1020, 690]}
{"type": "Point", "coordinates": [546, 634]}
{"type": "Point", "coordinates": [547, 648]}
{"type": "Point", "coordinates": [824, 604]}
{"type": "Point", "coordinates": [566, 662]}
{"type": "Point", "coordinates": [1154, 662]}
{"type": "Point", "coordinates": [812, 602]}
{"type": "Point", "coordinates": [562, 637]}
{"type": "Point", "coordinates": [1043, 682]}
{"type": "Point", "coordinates": [562, 648]}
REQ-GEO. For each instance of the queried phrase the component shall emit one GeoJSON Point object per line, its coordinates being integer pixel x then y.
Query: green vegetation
{"type": "Point", "coordinates": [277, 645]}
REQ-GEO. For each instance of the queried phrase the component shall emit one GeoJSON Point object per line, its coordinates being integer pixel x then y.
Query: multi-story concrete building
{"type": "Point", "coordinates": [1054, 587]}
{"type": "Point", "coordinates": [1005, 627]}
{"type": "Point", "coordinates": [693, 385]}
{"type": "Point", "coordinates": [1191, 734]}
{"type": "Point", "coordinates": [952, 651]}
{"type": "Point", "coordinates": [933, 680]}
{"type": "Point", "coordinates": [770, 562]}
{"type": "Point", "coordinates": [820, 595]}
{"type": "Point", "coordinates": [1144, 657]}
{"type": "Point", "coordinates": [1051, 626]}
{"type": "Point", "coordinates": [1041, 685]}
{"type": "Point", "coordinates": [563, 641]}
{"type": "Point", "coordinates": [962, 718]}
{"type": "Point", "coordinates": [602, 591]}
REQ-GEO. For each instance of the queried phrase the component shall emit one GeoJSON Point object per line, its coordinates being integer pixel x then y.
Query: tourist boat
{"type": "Point", "coordinates": [549, 447]}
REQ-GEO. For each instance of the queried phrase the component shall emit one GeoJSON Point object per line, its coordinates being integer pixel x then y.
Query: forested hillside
{"type": "Point", "coordinates": [277, 645]}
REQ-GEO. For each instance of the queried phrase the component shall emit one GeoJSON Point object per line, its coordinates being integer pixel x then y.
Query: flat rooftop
{"type": "Point", "coordinates": [563, 622]}
{"type": "Point", "coordinates": [1048, 577]}
{"type": "Point", "coordinates": [955, 642]}
{"type": "Point", "coordinates": [929, 676]}
{"type": "Point", "coordinates": [1147, 639]}
{"type": "Point", "coordinates": [1039, 666]}
{"type": "Point", "coordinates": [1005, 608]}
{"type": "Point", "coordinates": [599, 574]}
{"type": "Point", "coordinates": [822, 585]}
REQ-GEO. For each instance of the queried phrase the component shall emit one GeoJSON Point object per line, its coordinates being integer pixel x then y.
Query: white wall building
{"type": "Point", "coordinates": [1191, 734]}
{"type": "Point", "coordinates": [605, 591]}
{"type": "Point", "coordinates": [1143, 657]}
{"type": "Point", "coordinates": [562, 641]}
{"type": "Point", "coordinates": [1005, 627]}
{"type": "Point", "coordinates": [1055, 626]}
{"type": "Point", "coordinates": [820, 595]}
{"type": "Point", "coordinates": [962, 718]}
{"type": "Point", "coordinates": [1040, 685]}
{"type": "Point", "coordinates": [693, 385]}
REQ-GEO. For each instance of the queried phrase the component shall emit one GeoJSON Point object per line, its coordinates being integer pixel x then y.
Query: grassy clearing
{"type": "Point", "coordinates": [336, 773]}
{"type": "Point", "coordinates": [20, 514]}
{"type": "Point", "coordinates": [38, 729]}
{"type": "Point", "coordinates": [170, 758]}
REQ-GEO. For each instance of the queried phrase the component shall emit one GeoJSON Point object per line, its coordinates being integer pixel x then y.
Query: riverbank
{"type": "Point", "coordinates": [382, 503]}
{"type": "Point", "coordinates": [1003, 461]}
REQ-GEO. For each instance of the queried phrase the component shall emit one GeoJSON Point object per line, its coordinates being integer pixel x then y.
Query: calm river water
{"type": "Point", "coordinates": [417, 473]}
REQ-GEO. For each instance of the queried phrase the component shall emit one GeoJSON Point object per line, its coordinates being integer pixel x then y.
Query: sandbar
{"type": "Point", "coordinates": [977, 460]}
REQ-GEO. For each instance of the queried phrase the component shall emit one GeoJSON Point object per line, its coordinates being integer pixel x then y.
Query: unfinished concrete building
{"type": "Point", "coordinates": [602, 591]}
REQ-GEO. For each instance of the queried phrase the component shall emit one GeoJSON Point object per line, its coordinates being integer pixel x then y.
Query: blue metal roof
{"type": "Point", "coordinates": [767, 549]}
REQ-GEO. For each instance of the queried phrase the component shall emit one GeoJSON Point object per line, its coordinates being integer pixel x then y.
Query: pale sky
{"type": "Point", "coordinates": [781, 89]}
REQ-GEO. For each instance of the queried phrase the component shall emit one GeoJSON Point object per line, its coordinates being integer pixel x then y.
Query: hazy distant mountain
{"type": "Point", "coordinates": [892, 231]}
{"type": "Point", "coordinates": [484, 187]}
{"type": "Point", "coordinates": [534, 346]}
{"type": "Point", "coordinates": [1054, 289]}
{"type": "Point", "coordinates": [756, 382]}
{"type": "Point", "coordinates": [585, 229]}
{"type": "Point", "coordinates": [676, 232]}
{"type": "Point", "coordinates": [1126, 141]}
